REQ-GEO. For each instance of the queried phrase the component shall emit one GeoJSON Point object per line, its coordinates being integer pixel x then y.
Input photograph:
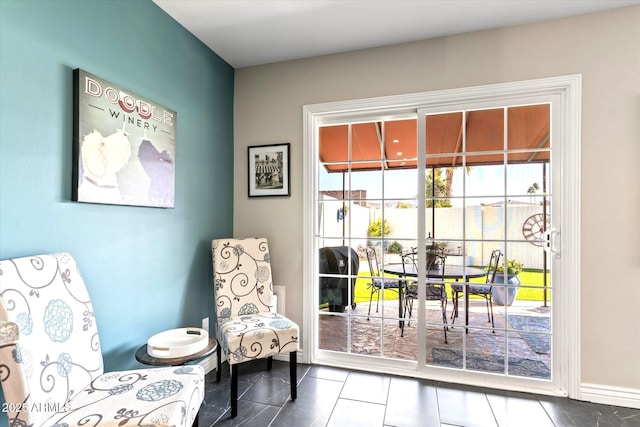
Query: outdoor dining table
{"type": "Point", "coordinates": [455, 272]}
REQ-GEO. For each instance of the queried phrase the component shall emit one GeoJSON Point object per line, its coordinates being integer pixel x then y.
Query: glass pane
{"type": "Point", "coordinates": [366, 184]}
{"type": "Point", "coordinates": [356, 220]}
{"type": "Point", "coordinates": [366, 335]}
{"type": "Point", "coordinates": [445, 355]}
{"type": "Point", "coordinates": [365, 143]}
{"type": "Point", "coordinates": [527, 179]}
{"type": "Point", "coordinates": [330, 224]}
{"type": "Point", "coordinates": [527, 221]}
{"type": "Point", "coordinates": [486, 222]}
{"type": "Point", "coordinates": [381, 291]}
{"type": "Point", "coordinates": [339, 265]}
{"type": "Point", "coordinates": [400, 345]}
{"type": "Point", "coordinates": [444, 224]}
{"type": "Point", "coordinates": [400, 144]}
{"type": "Point", "coordinates": [474, 223]}
{"type": "Point", "coordinates": [401, 184]}
{"type": "Point", "coordinates": [329, 182]}
{"type": "Point", "coordinates": [443, 139]}
{"type": "Point", "coordinates": [529, 127]}
{"type": "Point", "coordinates": [368, 295]}
{"type": "Point", "coordinates": [332, 332]}
{"type": "Point", "coordinates": [485, 131]}
{"type": "Point", "coordinates": [522, 254]}
{"type": "Point", "coordinates": [383, 308]}
{"type": "Point", "coordinates": [529, 352]}
{"type": "Point", "coordinates": [334, 147]}
{"type": "Point", "coordinates": [401, 217]}
{"type": "Point", "coordinates": [485, 349]}
{"type": "Point", "coordinates": [485, 181]}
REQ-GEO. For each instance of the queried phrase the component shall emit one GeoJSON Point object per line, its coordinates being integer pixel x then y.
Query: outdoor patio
{"type": "Point", "coordinates": [529, 352]}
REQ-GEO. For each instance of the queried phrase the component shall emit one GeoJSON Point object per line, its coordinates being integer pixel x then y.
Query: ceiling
{"type": "Point", "coordinates": [253, 32]}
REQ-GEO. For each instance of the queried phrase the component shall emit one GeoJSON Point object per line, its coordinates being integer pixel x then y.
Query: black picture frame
{"type": "Point", "coordinates": [269, 170]}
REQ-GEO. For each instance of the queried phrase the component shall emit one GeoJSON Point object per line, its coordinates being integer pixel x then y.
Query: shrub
{"type": "Point", "coordinates": [513, 267]}
{"type": "Point", "coordinates": [375, 228]}
{"type": "Point", "coordinates": [395, 248]}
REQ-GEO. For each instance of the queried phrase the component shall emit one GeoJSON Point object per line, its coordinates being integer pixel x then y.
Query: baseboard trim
{"type": "Point", "coordinates": [608, 395]}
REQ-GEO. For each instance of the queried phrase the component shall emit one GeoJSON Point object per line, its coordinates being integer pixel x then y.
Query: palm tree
{"type": "Point", "coordinates": [533, 188]}
{"type": "Point", "coordinates": [440, 190]}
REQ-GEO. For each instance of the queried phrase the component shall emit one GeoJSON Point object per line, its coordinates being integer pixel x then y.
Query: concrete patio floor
{"type": "Point", "coordinates": [484, 348]}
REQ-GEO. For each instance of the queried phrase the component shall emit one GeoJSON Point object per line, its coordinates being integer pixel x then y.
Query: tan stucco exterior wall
{"type": "Point", "coordinates": [603, 47]}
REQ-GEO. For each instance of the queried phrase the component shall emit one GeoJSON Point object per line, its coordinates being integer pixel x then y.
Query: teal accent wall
{"type": "Point", "coordinates": [147, 269]}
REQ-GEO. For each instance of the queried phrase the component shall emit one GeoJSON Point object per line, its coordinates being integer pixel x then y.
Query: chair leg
{"type": "Point", "coordinates": [269, 363]}
{"type": "Point", "coordinates": [408, 304]}
{"type": "Point", "coordinates": [219, 367]}
{"type": "Point", "coordinates": [293, 374]}
{"type": "Point", "coordinates": [454, 312]}
{"type": "Point", "coordinates": [408, 307]}
{"type": "Point", "coordinates": [370, 300]}
{"type": "Point", "coordinates": [491, 306]}
{"type": "Point", "coordinates": [404, 315]}
{"type": "Point", "coordinates": [234, 390]}
{"type": "Point", "coordinates": [444, 318]}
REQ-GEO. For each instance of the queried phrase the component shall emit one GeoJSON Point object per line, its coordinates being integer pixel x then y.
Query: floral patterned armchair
{"type": "Point", "coordinates": [247, 328]}
{"type": "Point", "coordinates": [51, 363]}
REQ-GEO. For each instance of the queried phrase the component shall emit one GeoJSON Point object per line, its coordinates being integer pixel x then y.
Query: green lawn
{"type": "Point", "coordinates": [531, 289]}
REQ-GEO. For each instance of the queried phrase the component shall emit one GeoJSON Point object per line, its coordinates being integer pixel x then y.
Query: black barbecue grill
{"type": "Point", "coordinates": [334, 291]}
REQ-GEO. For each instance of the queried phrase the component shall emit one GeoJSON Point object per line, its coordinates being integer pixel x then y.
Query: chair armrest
{"type": "Point", "coordinates": [9, 332]}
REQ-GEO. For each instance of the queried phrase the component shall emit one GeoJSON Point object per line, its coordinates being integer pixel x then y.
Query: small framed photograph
{"type": "Point", "coordinates": [269, 170]}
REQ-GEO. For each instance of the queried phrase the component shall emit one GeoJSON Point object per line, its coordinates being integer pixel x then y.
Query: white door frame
{"type": "Point", "coordinates": [566, 92]}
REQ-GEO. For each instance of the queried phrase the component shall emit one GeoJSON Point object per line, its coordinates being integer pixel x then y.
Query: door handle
{"type": "Point", "coordinates": [552, 241]}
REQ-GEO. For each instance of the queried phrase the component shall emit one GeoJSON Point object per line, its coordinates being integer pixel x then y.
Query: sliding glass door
{"type": "Point", "coordinates": [435, 238]}
{"type": "Point", "coordinates": [489, 192]}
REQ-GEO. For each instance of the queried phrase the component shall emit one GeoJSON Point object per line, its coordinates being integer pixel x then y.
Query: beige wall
{"type": "Point", "coordinates": [603, 47]}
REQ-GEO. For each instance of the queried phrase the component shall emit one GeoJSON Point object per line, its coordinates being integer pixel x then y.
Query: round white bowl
{"type": "Point", "coordinates": [179, 342]}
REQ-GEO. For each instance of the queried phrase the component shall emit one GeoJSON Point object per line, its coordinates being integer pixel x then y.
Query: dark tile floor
{"type": "Point", "coordinates": [339, 397]}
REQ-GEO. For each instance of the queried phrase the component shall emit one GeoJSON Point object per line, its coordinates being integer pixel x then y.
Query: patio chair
{"type": "Point", "coordinates": [483, 290]}
{"type": "Point", "coordinates": [378, 283]}
{"type": "Point", "coordinates": [247, 327]}
{"type": "Point", "coordinates": [435, 285]}
{"type": "Point", "coordinates": [51, 360]}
